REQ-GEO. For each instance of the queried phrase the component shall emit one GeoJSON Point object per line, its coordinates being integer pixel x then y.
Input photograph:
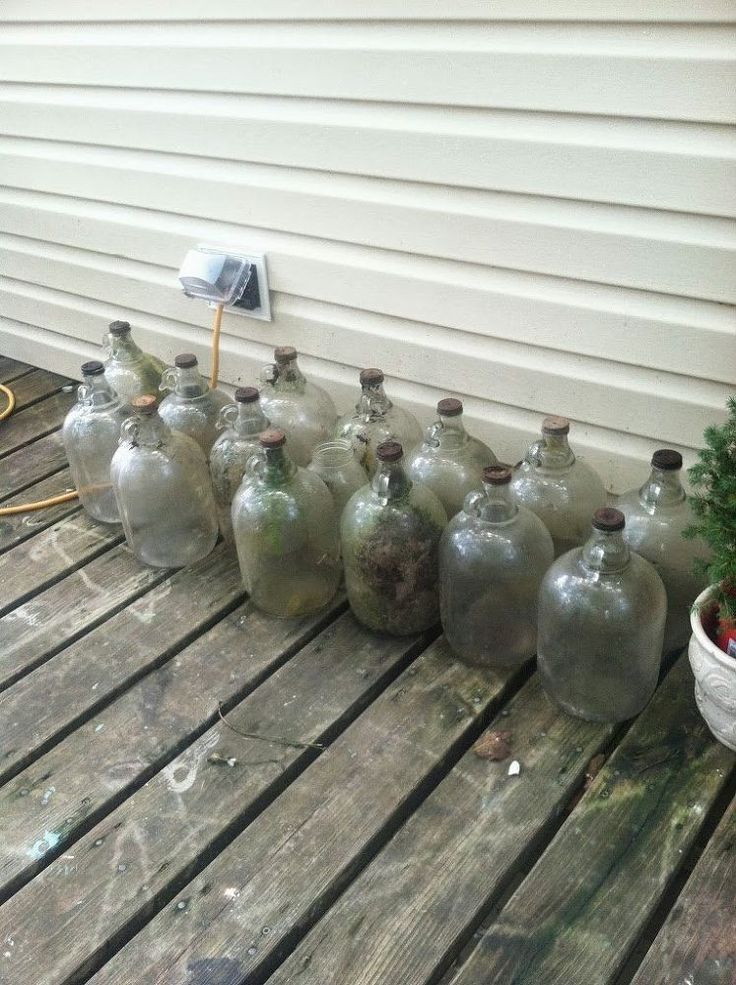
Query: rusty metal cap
{"type": "Point", "coordinates": [246, 395]}
{"type": "Point", "coordinates": [272, 438]}
{"type": "Point", "coordinates": [145, 404]}
{"type": "Point", "coordinates": [389, 451]}
{"type": "Point", "coordinates": [371, 377]}
{"type": "Point", "coordinates": [497, 475]}
{"type": "Point", "coordinates": [185, 360]}
{"type": "Point", "coordinates": [450, 407]}
{"type": "Point", "coordinates": [608, 518]}
{"type": "Point", "coordinates": [119, 327]}
{"type": "Point", "coordinates": [284, 354]}
{"type": "Point", "coordinates": [555, 425]}
{"type": "Point", "coordinates": [667, 459]}
{"type": "Point", "coordinates": [93, 368]}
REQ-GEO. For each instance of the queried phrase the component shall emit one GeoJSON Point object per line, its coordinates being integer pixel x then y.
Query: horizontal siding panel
{"type": "Point", "coordinates": [667, 85]}
{"type": "Point", "coordinates": [637, 400]}
{"type": "Point", "coordinates": [659, 166]}
{"type": "Point", "coordinates": [663, 253]}
{"type": "Point", "coordinates": [406, 10]}
{"type": "Point", "coordinates": [683, 337]}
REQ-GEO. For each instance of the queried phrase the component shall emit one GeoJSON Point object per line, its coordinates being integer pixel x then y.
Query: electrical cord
{"type": "Point", "coordinates": [42, 504]}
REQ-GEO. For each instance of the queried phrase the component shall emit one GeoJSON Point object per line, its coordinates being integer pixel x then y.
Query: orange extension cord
{"type": "Point", "coordinates": [42, 504]}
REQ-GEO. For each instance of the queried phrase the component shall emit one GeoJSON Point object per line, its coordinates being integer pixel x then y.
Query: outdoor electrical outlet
{"type": "Point", "coordinates": [220, 275]}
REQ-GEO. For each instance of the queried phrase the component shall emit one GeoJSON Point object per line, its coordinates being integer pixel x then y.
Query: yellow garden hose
{"type": "Point", "coordinates": [42, 504]}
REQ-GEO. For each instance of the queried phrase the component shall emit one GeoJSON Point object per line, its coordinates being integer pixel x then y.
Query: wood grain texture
{"type": "Point", "coordinates": [157, 837]}
{"type": "Point", "coordinates": [697, 942]}
{"type": "Point", "coordinates": [134, 738]}
{"type": "Point", "coordinates": [578, 913]}
{"type": "Point", "coordinates": [36, 385]}
{"type": "Point", "coordinates": [30, 464]}
{"type": "Point", "coordinates": [59, 615]}
{"type": "Point", "coordinates": [34, 422]}
{"type": "Point", "coordinates": [86, 674]}
{"type": "Point", "coordinates": [404, 917]}
{"type": "Point", "coordinates": [288, 866]}
{"type": "Point", "coordinates": [10, 369]}
{"type": "Point", "coordinates": [20, 527]}
{"type": "Point", "coordinates": [30, 567]}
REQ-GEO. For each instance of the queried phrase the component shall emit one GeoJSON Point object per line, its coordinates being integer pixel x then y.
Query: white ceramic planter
{"type": "Point", "coordinates": [715, 678]}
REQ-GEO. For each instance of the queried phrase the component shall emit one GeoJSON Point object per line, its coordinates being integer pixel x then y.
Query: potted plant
{"type": "Point", "coordinates": [712, 649]}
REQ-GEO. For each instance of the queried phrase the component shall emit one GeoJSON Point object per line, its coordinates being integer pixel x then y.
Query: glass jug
{"type": "Point", "coordinates": [301, 409]}
{"type": "Point", "coordinates": [90, 434]}
{"type": "Point", "coordinates": [656, 515]}
{"type": "Point", "coordinates": [163, 491]}
{"type": "Point", "coordinates": [286, 533]}
{"type": "Point", "coordinates": [449, 460]}
{"type": "Point", "coordinates": [375, 420]}
{"type": "Point", "coordinates": [602, 610]}
{"type": "Point", "coordinates": [129, 371]}
{"type": "Point", "coordinates": [561, 489]}
{"type": "Point", "coordinates": [390, 532]}
{"type": "Point", "coordinates": [493, 556]}
{"type": "Point", "coordinates": [336, 465]}
{"type": "Point", "coordinates": [192, 407]}
{"type": "Point", "coordinates": [243, 421]}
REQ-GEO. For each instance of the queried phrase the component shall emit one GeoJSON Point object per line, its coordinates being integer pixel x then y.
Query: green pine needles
{"type": "Point", "coordinates": [714, 505]}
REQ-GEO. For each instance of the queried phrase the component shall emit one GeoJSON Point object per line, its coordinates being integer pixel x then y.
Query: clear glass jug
{"type": "Point", "coordinates": [242, 421]}
{"type": "Point", "coordinates": [656, 515]}
{"type": "Point", "coordinates": [90, 434]}
{"type": "Point", "coordinates": [286, 533]}
{"type": "Point", "coordinates": [301, 409]}
{"type": "Point", "coordinates": [336, 465]}
{"type": "Point", "coordinates": [449, 460]}
{"type": "Point", "coordinates": [163, 491]}
{"type": "Point", "coordinates": [602, 610]}
{"type": "Point", "coordinates": [390, 532]}
{"type": "Point", "coordinates": [493, 556]}
{"type": "Point", "coordinates": [561, 489]}
{"type": "Point", "coordinates": [375, 420]}
{"type": "Point", "coordinates": [191, 407]}
{"type": "Point", "coordinates": [129, 371]}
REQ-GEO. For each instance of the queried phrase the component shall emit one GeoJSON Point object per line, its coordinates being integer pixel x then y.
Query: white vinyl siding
{"type": "Point", "coordinates": [529, 205]}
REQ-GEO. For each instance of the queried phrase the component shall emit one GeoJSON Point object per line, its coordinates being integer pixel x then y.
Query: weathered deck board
{"type": "Point", "coordinates": [48, 701]}
{"type": "Point", "coordinates": [20, 527]}
{"type": "Point", "coordinates": [37, 563]}
{"type": "Point", "coordinates": [295, 858]}
{"type": "Point", "coordinates": [34, 386]}
{"type": "Point", "coordinates": [137, 736]}
{"type": "Point", "coordinates": [578, 913]}
{"type": "Point", "coordinates": [403, 919]}
{"type": "Point", "coordinates": [698, 941]}
{"type": "Point", "coordinates": [48, 622]}
{"type": "Point", "coordinates": [34, 422]}
{"type": "Point", "coordinates": [10, 369]}
{"type": "Point", "coordinates": [41, 458]}
{"type": "Point", "coordinates": [155, 834]}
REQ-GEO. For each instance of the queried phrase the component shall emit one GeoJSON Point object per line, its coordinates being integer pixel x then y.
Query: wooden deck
{"type": "Point", "coordinates": [145, 840]}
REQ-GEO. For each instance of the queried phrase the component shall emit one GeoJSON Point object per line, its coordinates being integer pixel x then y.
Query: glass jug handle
{"type": "Point", "coordinates": [227, 417]}
{"type": "Point", "coordinates": [269, 374]}
{"type": "Point", "coordinates": [106, 347]}
{"type": "Point", "coordinates": [255, 465]}
{"type": "Point", "coordinates": [129, 430]}
{"type": "Point", "coordinates": [432, 434]}
{"type": "Point", "coordinates": [84, 394]}
{"type": "Point", "coordinates": [168, 379]}
{"type": "Point", "coordinates": [472, 502]}
{"type": "Point", "coordinates": [534, 453]}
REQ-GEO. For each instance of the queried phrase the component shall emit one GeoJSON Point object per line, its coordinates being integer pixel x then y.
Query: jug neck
{"type": "Point", "coordinates": [448, 431]}
{"type": "Point", "coordinates": [373, 401]}
{"type": "Point", "coordinates": [147, 429]}
{"type": "Point", "coordinates": [285, 375]}
{"type": "Point", "coordinates": [275, 466]}
{"type": "Point", "coordinates": [551, 451]}
{"type": "Point", "coordinates": [122, 347]}
{"type": "Point", "coordinates": [95, 391]}
{"type": "Point", "coordinates": [606, 551]}
{"type": "Point", "coordinates": [391, 482]}
{"type": "Point", "coordinates": [663, 488]}
{"type": "Point", "coordinates": [249, 419]}
{"type": "Point", "coordinates": [186, 382]}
